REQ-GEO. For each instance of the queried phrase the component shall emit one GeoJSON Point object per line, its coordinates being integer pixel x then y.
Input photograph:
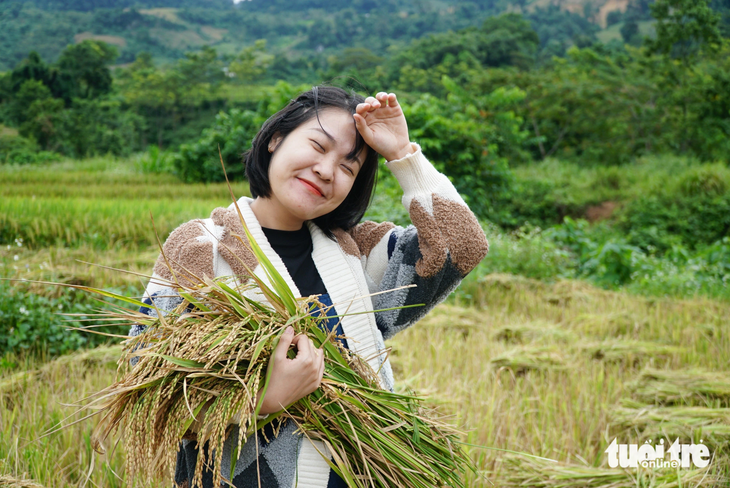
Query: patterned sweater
{"type": "Point", "coordinates": [444, 243]}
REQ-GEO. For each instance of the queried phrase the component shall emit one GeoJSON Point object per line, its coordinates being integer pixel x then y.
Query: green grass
{"type": "Point", "coordinates": [583, 186]}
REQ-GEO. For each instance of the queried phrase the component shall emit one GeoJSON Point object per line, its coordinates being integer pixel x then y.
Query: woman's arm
{"type": "Point", "coordinates": [444, 243]}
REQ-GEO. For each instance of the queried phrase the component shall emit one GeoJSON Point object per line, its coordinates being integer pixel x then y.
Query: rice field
{"type": "Point", "coordinates": [552, 370]}
{"type": "Point", "coordinates": [99, 203]}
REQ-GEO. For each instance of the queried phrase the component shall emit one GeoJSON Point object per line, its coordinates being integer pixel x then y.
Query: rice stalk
{"type": "Point", "coordinates": [669, 387]}
{"type": "Point", "coordinates": [99, 355]}
{"type": "Point", "coordinates": [530, 358]}
{"type": "Point", "coordinates": [535, 473]}
{"type": "Point", "coordinates": [533, 332]}
{"type": "Point", "coordinates": [10, 482]}
{"type": "Point", "coordinates": [710, 425]}
{"type": "Point", "coordinates": [623, 351]}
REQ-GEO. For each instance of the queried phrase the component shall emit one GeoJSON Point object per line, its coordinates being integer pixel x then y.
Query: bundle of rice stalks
{"type": "Point", "coordinates": [536, 473]}
{"type": "Point", "coordinates": [629, 352]}
{"type": "Point", "coordinates": [667, 387]}
{"type": "Point", "coordinates": [99, 355]}
{"type": "Point", "coordinates": [202, 365]}
{"type": "Point", "coordinates": [10, 482]}
{"type": "Point", "coordinates": [530, 358]}
{"type": "Point", "coordinates": [542, 331]}
{"type": "Point", "coordinates": [711, 425]}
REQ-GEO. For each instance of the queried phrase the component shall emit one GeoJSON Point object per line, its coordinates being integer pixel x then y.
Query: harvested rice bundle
{"type": "Point", "coordinates": [201, 365]}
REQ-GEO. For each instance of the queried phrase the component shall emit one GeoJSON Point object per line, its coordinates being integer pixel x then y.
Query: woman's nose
{"type": "Point", "coordinates": [324, 169]}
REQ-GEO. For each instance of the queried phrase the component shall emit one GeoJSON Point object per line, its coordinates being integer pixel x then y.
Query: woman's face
{"type": "Point", "coordinates": [309, 173]}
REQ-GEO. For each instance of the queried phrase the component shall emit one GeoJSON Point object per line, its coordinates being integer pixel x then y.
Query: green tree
{"type": "Point", "coordinates": [251, 64]}
{"type": "Point", "coordinates": [169, 97]}
{"type": "Point", "coordinates": [87, 64]}
{"type": "Point", "coordinates": [630, 31]}
{"type": "Point", "coordinates": [29, 91]}
{"type": "Point", "coordinates": [31, 68]}
{"type": "Point", "coordinates": [46, 122]}
{"type": "Point", "coordinates": [684, 28]}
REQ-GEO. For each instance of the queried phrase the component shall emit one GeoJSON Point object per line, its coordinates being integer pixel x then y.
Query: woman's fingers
{"type": "Point", "coordinates": [304, 346]}
{"type": "Point", "coordinates": [286, 339]}
{"type": "Point", "coordinates": [381, 99]}
{"type": "Point", "coordinates": [320, 373]}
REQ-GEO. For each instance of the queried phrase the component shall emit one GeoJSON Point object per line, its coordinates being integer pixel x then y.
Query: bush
{"type": "Point", "coordinates": [651, 220]}
{"type": "Point", "coordinates": [31, 322]}
{"type": "Point", "coordinates": [154, 161]}
{"type": "Point", "coordinates": [232, 132]}
{"type": "Point", "coordinates": [16, 149]}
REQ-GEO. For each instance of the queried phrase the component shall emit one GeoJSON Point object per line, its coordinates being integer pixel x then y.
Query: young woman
{"type": "Point", "coordinates": [311, 170]}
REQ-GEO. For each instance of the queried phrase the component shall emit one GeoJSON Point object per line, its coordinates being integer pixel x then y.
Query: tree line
{"type": "Point", "coordinates": [479, 100]}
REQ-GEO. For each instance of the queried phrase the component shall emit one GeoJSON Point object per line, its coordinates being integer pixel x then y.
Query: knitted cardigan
{"type": "Point", "coordinates": [444, 244]}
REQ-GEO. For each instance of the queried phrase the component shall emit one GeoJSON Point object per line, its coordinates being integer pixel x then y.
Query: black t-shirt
{"type": "Point", "coordinates": [295, 249]}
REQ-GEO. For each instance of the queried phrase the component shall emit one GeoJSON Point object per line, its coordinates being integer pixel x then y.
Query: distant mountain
{"type": "Point", "coordinates": [91, 5]}
{"type": "Point", "coordinates": [295, 28]}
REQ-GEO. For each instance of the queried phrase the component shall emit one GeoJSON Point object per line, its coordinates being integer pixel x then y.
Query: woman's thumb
{"type": "Point", "coordinates": [284, 342]}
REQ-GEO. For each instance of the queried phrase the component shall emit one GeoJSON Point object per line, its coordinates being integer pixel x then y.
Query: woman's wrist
{"type": "Point", "coordinates": [401, 153]}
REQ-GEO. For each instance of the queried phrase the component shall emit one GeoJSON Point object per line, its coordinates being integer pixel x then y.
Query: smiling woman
{"type": "Point", "coordinates": [311, 171]}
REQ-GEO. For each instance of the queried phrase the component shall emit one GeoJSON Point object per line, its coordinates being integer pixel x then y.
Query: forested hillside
{"type": "Point", "coordinates": [296, 29]}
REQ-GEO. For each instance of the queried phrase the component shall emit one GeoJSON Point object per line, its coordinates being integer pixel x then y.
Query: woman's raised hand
{"type": "Point", "coordinates": [381, 123]}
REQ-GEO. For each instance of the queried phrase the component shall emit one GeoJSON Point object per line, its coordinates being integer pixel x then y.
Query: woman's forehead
{"type": "Point", "coordinates": [332, 122]}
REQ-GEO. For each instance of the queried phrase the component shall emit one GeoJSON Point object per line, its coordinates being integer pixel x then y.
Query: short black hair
{"type": "Point", "coordinates": [298, 111]}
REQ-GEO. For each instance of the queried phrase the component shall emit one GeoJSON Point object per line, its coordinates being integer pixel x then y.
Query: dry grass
{"type": "Point", "coordinates": [709, 426]}
{"type": "Point", "coordinates": [569, 414]}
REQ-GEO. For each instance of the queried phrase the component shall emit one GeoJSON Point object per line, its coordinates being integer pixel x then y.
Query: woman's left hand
{"type": "Point", "coordinates": [381, 123]}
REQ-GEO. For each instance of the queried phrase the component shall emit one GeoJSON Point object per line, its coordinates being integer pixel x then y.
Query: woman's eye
{"type": "Point", "coordinates": [348, 169]}
{"type": "Point", "coordinates": [318, 146]}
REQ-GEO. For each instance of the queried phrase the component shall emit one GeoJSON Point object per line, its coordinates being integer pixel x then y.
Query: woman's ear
{"type": "Point", "coordinates": [274, 141]}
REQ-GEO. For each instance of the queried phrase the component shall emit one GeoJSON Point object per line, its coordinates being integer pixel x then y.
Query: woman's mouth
{"type": "Point", "coordinates": [312, 187]}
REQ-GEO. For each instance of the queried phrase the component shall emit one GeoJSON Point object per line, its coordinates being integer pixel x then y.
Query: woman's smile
{"type": "Point", "coordinates": [312, 187]}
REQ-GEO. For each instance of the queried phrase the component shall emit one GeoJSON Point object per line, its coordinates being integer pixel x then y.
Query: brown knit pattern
{"type": "Point", "coordinates": [346, 242]}
{"type": "Point", "coordinates": [431, 242]}
{"type": "Point", "coordinates": [464, 236]}
{"type": "Point", "coordinates": [185, 255]}
{"type": "Point", "coordinates": [231, 247]}
{"type": "Point", "coordinates": [368, 234]}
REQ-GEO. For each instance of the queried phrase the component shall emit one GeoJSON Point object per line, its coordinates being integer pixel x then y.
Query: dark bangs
{"type": "Point", "coordinates": [298, 111]}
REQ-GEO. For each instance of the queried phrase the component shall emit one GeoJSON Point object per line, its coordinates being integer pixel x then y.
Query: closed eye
{"type": "Point", "coordinates": [318, 145]}
{"type": "Point", "coordinates": [348, 169]}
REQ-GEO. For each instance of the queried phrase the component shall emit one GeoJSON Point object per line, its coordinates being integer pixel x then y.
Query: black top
{"type": "Point", "coordinates": [295, 249]}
